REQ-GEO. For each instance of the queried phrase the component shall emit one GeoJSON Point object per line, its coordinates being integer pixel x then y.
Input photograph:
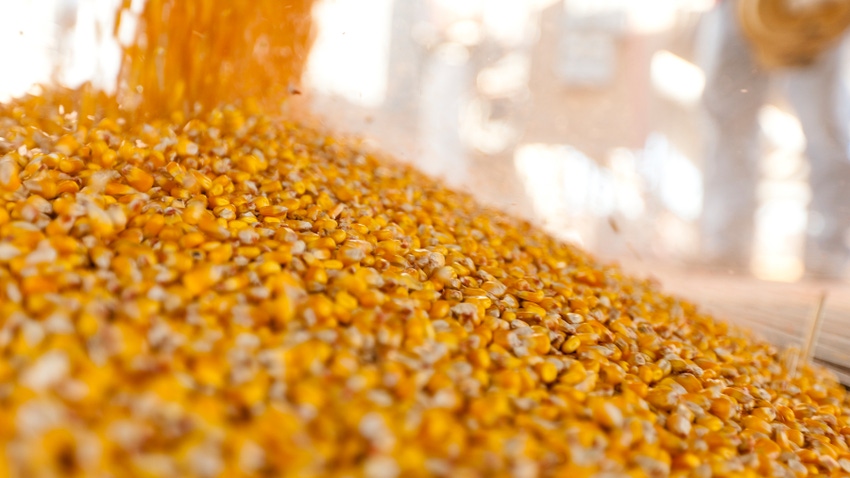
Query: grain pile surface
{"type": "Point", "coordinates": [223, 293]}
{"type": "Point", "coordinates": [238, 296]}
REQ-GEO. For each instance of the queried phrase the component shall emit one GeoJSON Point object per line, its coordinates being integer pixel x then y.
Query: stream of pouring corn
{"type": "Point", "coordinates": [225, 293]}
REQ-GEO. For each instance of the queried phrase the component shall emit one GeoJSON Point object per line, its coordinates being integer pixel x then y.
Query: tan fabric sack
{"type": "Point", "coordinates": [792, 32]}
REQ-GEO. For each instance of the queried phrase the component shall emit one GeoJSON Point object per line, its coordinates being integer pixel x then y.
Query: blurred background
{"type": "Point", "coordinates": [592, 118]}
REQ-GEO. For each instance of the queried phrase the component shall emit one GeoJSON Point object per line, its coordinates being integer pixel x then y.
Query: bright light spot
{"type": "Point", "coordinates": [778, 268]}
{"type": "Point", "coordinates": [451, 53]}
{"type": "Point", "coordinates": [674, 178]}
{"type": "Point", "coordinates": [782, 129]}
{"type": "Point", "coordinates": [628, 191]}
{"type": "Point", "coordinates": [94, 54]}
{"type": "Point", "coordinates": [681, 189]}
{"type": "Point", "coordinates": [33, 47]}
{"type": "Point", "coordinates": [26, 33]}
{"type": "Point", "coordinates": [643, 17]}
{"type": "Point", "coordinates": [769, 191]}
{"type": "Point", "coordinates": [782, 164]}
{"type": "Point", "coordinates": [507, 76]}
{"type": "Point", "coordinates": [465, 32]}
{"type": "Point", "coordinates": [780, 224]}
{"type": "Point", "coordinates": [697, 5]}
{"type": "Point", "coordinates": [567, 188]}
{"type": "Point", "coordinates": [441, 99]}
{"type": "Point", "coordinates": [129, 22]}
{"type": "Point", "coordinates": [460, 8]}
{"type": "Point", "coordinates": [482, 132]}
{"type": "Point", "coordinates": [781, 218]}
{"type": "Point", "coordinates": [565, 185]}
{"type": "Point", "coordinates": [351, 54]}
{"type": "Point", "coordinates": [676, 79]}
{"type": "Point", "coordinates": [507, 21]}
{"type": "Point", "coordinates": [651, 16]}
{"type": "Point", "coordinates": [540, 167]}
{"type": "Point", "coordinates": [542, 4]}
{"type": "Point", "coordinates": [591, 8]}
{"type": "Point", "coordinates": [675, 236]}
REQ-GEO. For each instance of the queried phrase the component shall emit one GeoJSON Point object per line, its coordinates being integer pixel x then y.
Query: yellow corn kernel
{"type": "Point", "coordinates": [662, 398]}
{"type": "Point", "coordinates": [139, 179]}
{"type": "Point", "coordinates": [547, 371]}
{"type": "Point", "coordinates": [607, 414]}
{"type": "Point", "coordinates": [724, 407]}
{"type": "Point", "coordinates": [201, 279]}
{"type": "Point", "coordinates": [757, 424]}
{"type": "Point", "coordinates": [195, 211]}
{"type": "Point", "coordinates": [192, 240]}
{"type": "Point", "coordinates": [571, 345]}
{"type": "Point", "coordinates": [67, 145]}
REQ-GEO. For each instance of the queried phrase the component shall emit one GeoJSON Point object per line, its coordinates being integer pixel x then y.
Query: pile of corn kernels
{"type": "Point", "coordinates": [235, 295]}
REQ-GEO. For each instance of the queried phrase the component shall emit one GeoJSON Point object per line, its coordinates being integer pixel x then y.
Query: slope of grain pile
{"type": "Point", "coordinates": [230, 294]}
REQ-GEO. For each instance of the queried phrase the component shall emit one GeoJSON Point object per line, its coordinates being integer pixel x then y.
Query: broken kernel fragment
{"type": "Point", "coordinates": [9, 174]}
{"type": "Point", "coordinates": [66, 145]}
